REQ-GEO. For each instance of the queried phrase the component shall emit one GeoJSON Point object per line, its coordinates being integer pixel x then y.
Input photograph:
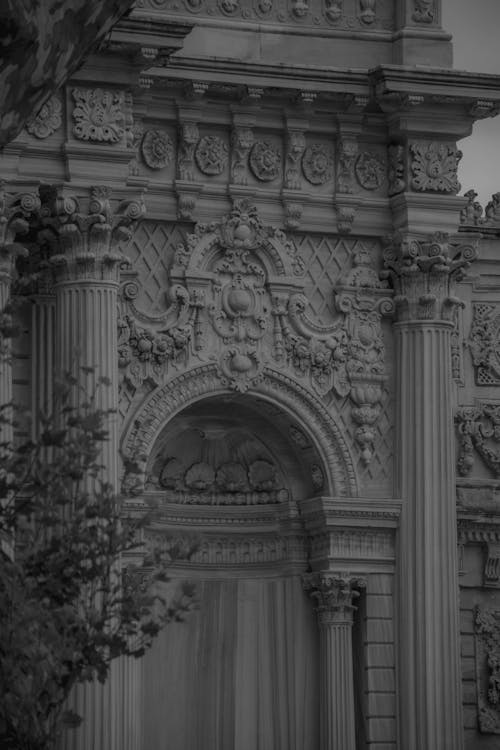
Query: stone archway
{"type": "Point", "coordinates": [243, 672]}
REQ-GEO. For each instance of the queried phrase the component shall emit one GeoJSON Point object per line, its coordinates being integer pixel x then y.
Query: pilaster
{"type": "Point", "coordinates": [422, 273]}
{"type": "Point", "coordinates": [334, 595]}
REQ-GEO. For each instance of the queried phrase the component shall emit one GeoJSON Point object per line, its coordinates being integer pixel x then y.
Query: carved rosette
{"type": "Point", "coordinates": [157, 149]}
{"type": "Point", "coordinates": [487, 633]}
{"type": "Point", "coordinates": [265, 161]}
{"type": "Point", "coordinates": [370, 171]}
{"type": "Point", "coordinates": [241, 142]}
{"type": "Point", "coordinates": [422, 274]}
{"type": "Point", "coordinates": [211, 155]}
{"type": "Point", "coordinates": [47, 120]}
{"type": "Point", "coordinates": [317, 164]}
{"type": "Point", "coordinates": [99, 115]}
{"type": "Point", "coordinates": [434, 167]}
{"type": "Point", "coordinates": [333, 595]}
{"type": "Point", "coordinates": [84, 243]}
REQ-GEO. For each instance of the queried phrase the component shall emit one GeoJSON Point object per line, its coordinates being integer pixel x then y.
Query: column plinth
{"type": "Point", "coordinates": [428, 620]}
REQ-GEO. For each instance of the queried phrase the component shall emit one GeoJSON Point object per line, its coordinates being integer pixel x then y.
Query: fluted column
{"type": "Point", "coordinates": [333, 596]}
{"type": "Point", "coordinates": [86, 269]}
{"type": "Point", "coordinates": [428, 626]}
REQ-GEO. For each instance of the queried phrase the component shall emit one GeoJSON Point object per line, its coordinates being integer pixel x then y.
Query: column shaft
{"type": "Point", "coordinates": [429, 674]}
{"type": "Point", "coordinates": [337, 689]}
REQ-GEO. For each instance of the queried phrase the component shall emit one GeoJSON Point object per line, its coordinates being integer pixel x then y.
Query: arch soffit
{"type": "Point", "coordinates": [304, 408]}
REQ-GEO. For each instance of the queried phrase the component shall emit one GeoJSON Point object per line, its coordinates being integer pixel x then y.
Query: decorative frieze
{"type": "Point", "coordinates": [479, 431]}
{"type": "Point", "coordinates": [487, 637]}
{"type": "Point", "coordinates": [484, 343]}
{"type": "Point", "coordinates": [434, 167]}
{"type": "Point", "coordinates": [101, 116]}
{"type": "Point", "coordinates": [47, 120]}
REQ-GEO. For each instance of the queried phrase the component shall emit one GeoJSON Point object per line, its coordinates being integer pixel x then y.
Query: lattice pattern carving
{"type": "Point", "coordinates": [151, 252]}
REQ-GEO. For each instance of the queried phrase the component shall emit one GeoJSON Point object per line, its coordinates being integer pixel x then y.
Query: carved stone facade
{"type": "Point", "coordinates": [259, 243]}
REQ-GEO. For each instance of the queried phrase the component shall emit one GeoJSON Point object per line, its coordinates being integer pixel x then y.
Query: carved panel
{"type": "Point", "coordinates": [484, 343]}
{"type": "Point", "coordinates": [424, 11]}
{"type": "Point", "coordinates": [348, 15]}
{"type": "Point", "coordinates": [487, 636]}
{"type": "Point", "coordinates": [479, 431]}
{"type": "Point", "coordinates": [434, 167]}
{"type": "Point", "coordinates": [102, 116]}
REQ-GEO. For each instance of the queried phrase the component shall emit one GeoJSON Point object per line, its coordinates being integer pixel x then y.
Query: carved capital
{"type": "Point", "coordinates": [83, 234]}
{"type": "Point", "coordinates": [333, 595]}
{"type": "Point", "coordinates": [16, 210]}
{"type": "Point", "coordinates": [422, 273]}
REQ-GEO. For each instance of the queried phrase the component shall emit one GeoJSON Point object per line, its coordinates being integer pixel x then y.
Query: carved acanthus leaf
{"type": "Point", "coordinates": [434, 167]}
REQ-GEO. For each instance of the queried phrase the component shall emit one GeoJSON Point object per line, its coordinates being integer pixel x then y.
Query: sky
{"type": "Point", "coordinates": [475, 25]}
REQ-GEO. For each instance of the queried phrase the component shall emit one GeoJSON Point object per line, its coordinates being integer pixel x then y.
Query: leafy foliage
{"type": "Point", "coordinates": [68, 607]}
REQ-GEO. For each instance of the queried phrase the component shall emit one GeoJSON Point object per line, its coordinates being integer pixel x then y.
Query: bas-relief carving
{"type": "Point", "coordinates": [355, 15]}
{"type": "Point", "coordinates": [157, 149]}
{"type": "Point", "coordinates": [484, 343]}
{"type": "Point", "coordinates": [237, 299]}
{"type": "Point", "coordinates": [479, 431]}
{"type": "Point", "coordinates": [370, 171]}
{"type": "Point", "coordinates": [424, 11]}
{"type": "Point", "coordinates": [487, 637]}
{"type": "Point", "coordinates": [101, 116]}
{"type": "Point", "coordinates": [317, 164]}
{"type": "Point", "coordinates": [47, 120]}
{"type": "Point", "coordinates": [434, 167]}
{"type": "Point", "coordinates": [265, 161]}
{"type": "Point", "coordinates": [211, 155]}
{"type": "Point", "coordinates": [396, 173]}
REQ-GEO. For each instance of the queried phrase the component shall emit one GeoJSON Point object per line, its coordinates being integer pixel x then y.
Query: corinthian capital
{"type": "Point", "coordinates": [83, 233]}
{"type": "Point", "coordinates": [16, 210]}
{"type": "Point", "coordinates": [423, 272]}
{"type": "Point", "coordinates": [333, 595]}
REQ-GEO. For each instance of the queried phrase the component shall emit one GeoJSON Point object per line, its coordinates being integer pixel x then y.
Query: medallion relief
{"type": "Point", "coordinates": [47, 120]}
{"type": "Point", "coordinates": [157, 149]}
{"type": "Point", "coordinates": [317, 164]}
{"type": "Point", "coordinates": [370, 171]}
{"type": "Point", "coordinates": [211, 155]}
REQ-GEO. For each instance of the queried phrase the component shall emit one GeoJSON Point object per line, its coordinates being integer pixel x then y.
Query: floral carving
{"type": "Point", "coordinates": [157, 149]}
{"type": "Point", "coordinates": [99, 115]}
{"type": "Point", "coordinates": [396, 169]}
{"type": "Point", "coordinates": [424, 11]}
{"type": "Point", "coordinates": [479, 430]}
{"type": "Point", "coordinates": [434, 167]}
{"type": "Point", "coordinates": [484, 343]}
{"type": "Point", "coordinates": [317, 164]}
{"type": "Point", "coordinates": [487, 632]}
{"type": "Point", "coordinates": [370, 171]}
{"type": "Point", "coordinates": [265, 161]}
{"type": "Point", "coordinates": [47, 120]}
{"type": "Point", "coordinates": [333, 595]}
{"type": "Point", "coordinates": [211, 155]}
